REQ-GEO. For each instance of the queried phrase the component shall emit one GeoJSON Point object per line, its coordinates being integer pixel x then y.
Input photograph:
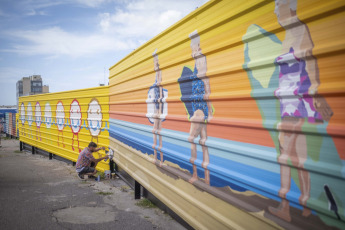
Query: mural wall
{"type": "Point", "coordinates": [236, 110]}
{"type": "Point", "coordinates": [8, 122]}
{"type": "Point", "coordinates": [64, 123]}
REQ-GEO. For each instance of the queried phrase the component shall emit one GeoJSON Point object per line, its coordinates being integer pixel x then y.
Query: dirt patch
{"type": "Point", "coordinates": [85, 215]}
{"type": "Point", "coordinates": [104, 193]}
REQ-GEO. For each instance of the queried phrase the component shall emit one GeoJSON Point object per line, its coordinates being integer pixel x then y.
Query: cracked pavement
{"type": "Point", "coordinates": [38, 193]}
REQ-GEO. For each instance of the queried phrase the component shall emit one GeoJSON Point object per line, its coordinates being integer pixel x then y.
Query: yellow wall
{"type": "Point", "coordinates": [61, 142]}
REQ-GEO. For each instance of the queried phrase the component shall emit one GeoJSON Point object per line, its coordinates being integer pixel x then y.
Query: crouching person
{"type": "Point", "coordinates": [86, 164]}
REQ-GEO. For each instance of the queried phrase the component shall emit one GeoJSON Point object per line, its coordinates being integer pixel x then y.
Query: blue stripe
{"type": "Point", "coordinates": [223, 171]}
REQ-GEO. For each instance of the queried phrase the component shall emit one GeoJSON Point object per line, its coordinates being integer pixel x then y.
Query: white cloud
{"type": "Point", "coordinates": [55, 42]}
{"type": "Point", "coordinates": [93, 3]}
{"type": "Point", "coordinates": [34, 7]}
{"type": "Point", "coordinates": [145, 19]}
{"type": "Point", "coordinates": [33, 12]}
{"type": "Point", "coordinates": [120, 29]}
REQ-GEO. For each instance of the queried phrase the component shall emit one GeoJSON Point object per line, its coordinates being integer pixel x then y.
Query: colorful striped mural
{"type": "Point", "coordinates": [239, 104]}
{"type": "Point", "coordinates": [233, 117]}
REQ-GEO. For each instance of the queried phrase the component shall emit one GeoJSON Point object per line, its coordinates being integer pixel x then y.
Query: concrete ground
{"type": "Point", "coordinates": [38, 193]}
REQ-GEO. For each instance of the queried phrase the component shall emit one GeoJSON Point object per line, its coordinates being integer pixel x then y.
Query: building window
{"type": "Point", "coordinates": [36, 83]}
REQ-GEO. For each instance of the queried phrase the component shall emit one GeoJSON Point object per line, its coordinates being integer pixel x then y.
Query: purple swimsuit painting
{"type": "Point", "coordinates": [293, 88]}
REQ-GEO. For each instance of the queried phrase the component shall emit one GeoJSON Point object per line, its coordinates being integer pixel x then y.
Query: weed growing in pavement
{"type": "Point", "coordinates": [124, 188]}
{"type": "Point", "coordinates": [145, 203]}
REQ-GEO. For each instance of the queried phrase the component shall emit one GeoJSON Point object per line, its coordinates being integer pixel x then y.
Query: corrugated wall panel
{"type": "Point", "coordinates": [64, 123]}
{"type": "Point", "coordinates": [242, 100]}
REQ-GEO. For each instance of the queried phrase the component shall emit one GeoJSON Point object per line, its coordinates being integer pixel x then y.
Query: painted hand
{"type": "Point", "coordinates": [322, 107]}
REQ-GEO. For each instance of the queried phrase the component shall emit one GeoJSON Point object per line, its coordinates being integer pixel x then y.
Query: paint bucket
{"type": "Point", "coordinates": [107, 174]}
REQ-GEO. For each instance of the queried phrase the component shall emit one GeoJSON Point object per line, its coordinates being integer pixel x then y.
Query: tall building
{"type": "Point", "coordinates": [30, 86]}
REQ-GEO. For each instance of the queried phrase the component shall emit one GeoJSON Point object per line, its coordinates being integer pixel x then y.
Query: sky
{"type": "Point", "coordinates": [73, 43]}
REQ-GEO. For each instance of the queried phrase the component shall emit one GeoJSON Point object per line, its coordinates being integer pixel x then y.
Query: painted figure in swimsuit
{"type": "Point", "coordinates": [157, 90]}
{"type": "Point", "coordinates": [299, 102]}
{"type": "Point", "coordinates": [75, 121]}
{"type": "Point", "coordinates": [22, 117]}
{"type": "Point", "coordinates": [60, 121]}
{"type": "Point", "coordinates": [195, 90]}
{"type": "Point", "coordinates": [94, 119]}
{"type": "Point", "coordinates": [48, 118]}
{"type": "Point", "coordinates": [38, 120]}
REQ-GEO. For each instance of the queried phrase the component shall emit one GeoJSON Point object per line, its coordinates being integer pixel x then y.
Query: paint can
{"type": "Point", "coordinates": [107, 174]}
{"type": "Point", "coordinates": [98, 179]}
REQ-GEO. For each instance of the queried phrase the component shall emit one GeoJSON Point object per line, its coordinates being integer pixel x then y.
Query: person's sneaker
{"type": "Point", "coordinates": [81, 177]}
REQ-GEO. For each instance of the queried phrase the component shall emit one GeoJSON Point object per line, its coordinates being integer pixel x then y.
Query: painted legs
{"type": "Point", "coordinates": [63, 144]}
{"type": "Point", "coordinates": [157, 126]}
{"type": "Point", "coordinates": [293, 146]}
{"type": "Point", "coordinates": [199, 127]}
{"type": "Point", "coordinates": [77, 141]}
{"type": "Point", "coordinates": [38, 131]}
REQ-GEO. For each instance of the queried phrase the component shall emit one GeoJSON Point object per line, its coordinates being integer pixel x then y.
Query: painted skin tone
{"type": "Point", "coordinates": [157, 123]}
{"type": "Point", "coordinates": [292, 142]}
{"type": "Point", "coordinates": [198, 125]}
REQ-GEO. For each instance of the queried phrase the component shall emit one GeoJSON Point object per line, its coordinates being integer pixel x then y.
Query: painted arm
{"type": "Point", "coordinates": [161, 96]}
{"type": "Point", "coordinates": [313, 71]}
{"type": "Point", "coordinates": [305, 53]}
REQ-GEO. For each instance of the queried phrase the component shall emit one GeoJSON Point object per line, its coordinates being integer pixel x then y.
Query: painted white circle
{"type": "Point", "coordinates": [48, 115]}
{"type": "Point", "coordinates": [60, 116]}
{"type": "Point", "coordinates": [75, 116]}
{"type": "Point", "coordinates": [38, 114]}
{"type": "Point", "coordinates": [29, 114]}
{"type": "Point", "coordinates": [22, 113]}
{"type": "Point", "coordinates": [94, 117]}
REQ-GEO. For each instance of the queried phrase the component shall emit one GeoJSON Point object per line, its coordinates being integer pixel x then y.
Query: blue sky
{"type": "Point", "coordinates": [72, 43]}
